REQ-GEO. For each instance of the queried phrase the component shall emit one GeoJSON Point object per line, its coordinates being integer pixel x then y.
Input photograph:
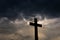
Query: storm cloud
{"type": "Point", "coordinates": [21, 30]}
{"type": "Point", "coordinates": [15, 16]}
{"type": "Point", "coordinates": [13, 8]}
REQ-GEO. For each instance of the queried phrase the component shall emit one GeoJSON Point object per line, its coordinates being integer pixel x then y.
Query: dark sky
{"type": "Point", "coordinates": [20, 29]}
{"type": "Point", "coordinates": [11, 8]}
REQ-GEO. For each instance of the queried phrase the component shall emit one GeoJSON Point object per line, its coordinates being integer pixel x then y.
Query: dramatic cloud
{"type": "Point", "coordinates": [21, 30]}
{"type": "Point", "coordinates": [15, 16]}
{"type": "Point", "coordinates": [12, 8]}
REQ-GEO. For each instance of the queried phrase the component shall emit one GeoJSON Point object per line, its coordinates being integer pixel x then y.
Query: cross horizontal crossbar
{"type": "Point", "coordinates": [33, 24]}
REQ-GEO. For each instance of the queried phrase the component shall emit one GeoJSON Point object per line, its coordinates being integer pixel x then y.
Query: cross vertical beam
{"type": "Point", "coordinates": [36, 28]}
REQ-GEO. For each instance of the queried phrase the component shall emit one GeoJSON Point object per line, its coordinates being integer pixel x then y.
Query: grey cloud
{"type": "Point", "coordinates": [22, 31]}
{"type": "Point", "coordinates": [6, 27]}
{"type": "Point", "coordinates": [12, 31]}
{"type": "Point", "coordinates": [53, 32]}
{"type": "Point", "coordinates": [12, 8]}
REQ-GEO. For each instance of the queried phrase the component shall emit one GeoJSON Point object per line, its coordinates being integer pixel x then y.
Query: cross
{"type": "Point", "coordinates": [36, 28]}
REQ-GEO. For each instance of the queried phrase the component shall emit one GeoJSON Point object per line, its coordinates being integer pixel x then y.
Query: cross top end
{"type": "Point", "coordinates": [35, 19]}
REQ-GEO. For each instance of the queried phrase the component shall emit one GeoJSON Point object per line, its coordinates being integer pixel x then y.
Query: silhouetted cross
{"type": "Point", "coordinates": [36, 28]}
